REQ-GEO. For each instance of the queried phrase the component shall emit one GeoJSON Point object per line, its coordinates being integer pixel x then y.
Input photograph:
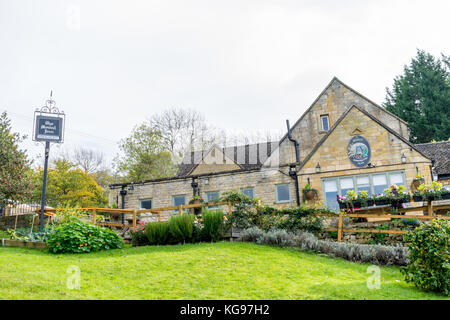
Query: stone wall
{"type": "Point", "coordinates": [161, 193]}
{"type": "Point", "coordinates": [23, 221]}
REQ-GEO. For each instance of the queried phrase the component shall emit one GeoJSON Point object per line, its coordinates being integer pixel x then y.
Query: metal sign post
{"type": "Point", "coordinates": [48, 127]}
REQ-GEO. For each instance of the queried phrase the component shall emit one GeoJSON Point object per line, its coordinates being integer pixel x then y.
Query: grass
{"type": "Point", "coordinates": [196, 271]}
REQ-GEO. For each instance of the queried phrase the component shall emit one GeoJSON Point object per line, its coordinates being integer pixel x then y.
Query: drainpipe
{"type": "Point", "coordinates": [123, 193]}
{"type": "Point", "coordinates": [293, 167]}
{"type": "Point", "coordinates": [194, 186]}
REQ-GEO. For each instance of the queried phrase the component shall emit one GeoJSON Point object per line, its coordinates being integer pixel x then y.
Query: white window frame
{"type": "Point", "coordinates": [355, 186]}
{"type": "Point", "coordinates": [321, 122]}
{"type": "Point", "coordinates": [140, 203]}
{"type": "Point", "coordinates": [289, 192]}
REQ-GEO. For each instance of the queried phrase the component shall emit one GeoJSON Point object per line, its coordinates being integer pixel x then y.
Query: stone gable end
{"type": "Point", "coordinates": [385, 146]}
{"type": "Point", "coordinates": [333, 101]}
{"type": "Point", "coordinates": [215, 161]}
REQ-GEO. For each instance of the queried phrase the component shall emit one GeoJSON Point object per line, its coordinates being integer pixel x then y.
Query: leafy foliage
{"type": "Point", "coordinates": [213, 225]}
{"type": "Point", "coordinates": [81, 237]}
{"type": "Point", "coordinates": [181, 227]}
{"type": "Point", "coordinates": [157, 233]}
{"type": "Point", "coordinates": [144, 155]}
{"type": "Point", "coordinates": [421, 97]}
{"type": "Point", "coordinates": [429, 268]}
{"type": "Point", "coordinates": [68, 186]}
{"type": "Point", "coordinates": [138, 234]}
{"type": "Point", "coordinates": [14, 165]}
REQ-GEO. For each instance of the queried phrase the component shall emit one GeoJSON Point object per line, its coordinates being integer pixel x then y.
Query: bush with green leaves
{"type": "Point", "coordinates": [181, 227]}
{"type": "Point", "coordinates": [157, 233]}
{"type": "Point", "coordinates": [138, 234]}
{"type": "Point", "coordinates": [81, 237]}
{"type": "Point", "coordinates": [213, 225]}
{"type": "Point", "coordinates": [245, 210]}
{"type": "Point", "coordinates": [429, 268]}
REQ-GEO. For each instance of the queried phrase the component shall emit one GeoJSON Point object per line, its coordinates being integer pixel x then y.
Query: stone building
{"type": "Point", "coordinates": [343, 141]}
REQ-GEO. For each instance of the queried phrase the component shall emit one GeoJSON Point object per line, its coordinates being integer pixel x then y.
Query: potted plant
{"type": "Point", "coordinates": [381, 200]}
{"type": "Point", "coordinates": [397, 196]}
{"type": "Point", "coordinates": [417, 181]}
{"type": "Point", "coordinates": [309, 193]}
{"type": "Point", "coordinates": [196, 200]}
{"type": "Point", "coordinates": [429, 193]}
{"type": "Point", "coordinates": [363, 197]}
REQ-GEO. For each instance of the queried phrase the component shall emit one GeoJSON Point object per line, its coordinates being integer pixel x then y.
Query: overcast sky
{"type": "Point", "coordinates": [246, 65]}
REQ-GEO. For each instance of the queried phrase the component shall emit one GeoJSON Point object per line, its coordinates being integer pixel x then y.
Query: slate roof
{"type": "Point", "coordinates": [440, 153]}
{"type": "Point", "coordinates": [247, 157]}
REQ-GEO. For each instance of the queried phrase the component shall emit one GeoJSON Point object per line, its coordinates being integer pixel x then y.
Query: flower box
{"type": "Point", "coordinates": [382, 202]}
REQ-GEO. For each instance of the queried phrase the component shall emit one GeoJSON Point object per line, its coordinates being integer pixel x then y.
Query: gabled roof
{"type": "Point", "coordinates": [241, 155]}
{"type": "Point", "coordinates": [440, 153]}
{"type": "Point", "coordinates": [342, 117]}
{"type": "Point", "coordinates": [335, 79]}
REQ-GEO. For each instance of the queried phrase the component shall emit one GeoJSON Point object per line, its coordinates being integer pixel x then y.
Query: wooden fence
{"type": "Point", "coordinates": [95, 212]}
{"type": "Point", "coordinates": [380, 213]}
{"type": "Point", "coordinates": [383, 212]}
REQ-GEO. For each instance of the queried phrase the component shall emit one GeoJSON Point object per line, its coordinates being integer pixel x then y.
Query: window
{"type": "Point", "coordinates": [145, 204]}
{"type": "Point", "coordinates": [283, 193]}
{"type": "Point", "coordinates": [212, 197]}
{"type": "Point", "coordinates": [248, 192]}
{"type": "Point", "coordinates": [325, 122]}
{"type": "Point", "coordinates": [374, 184]}
{"type": "Point", "coordinates": [179, 200]}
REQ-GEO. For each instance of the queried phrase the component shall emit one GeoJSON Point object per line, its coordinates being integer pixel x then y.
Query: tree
{"type": "Point", "coordinates": [183, 130]}
{"type": "Point", "coordinates": [87, 159]}
{"type": "Point", "coordinates": [421, 97]}
{"type": "Point", "coordinates": [145, 155]}
{"type": "Point", "coordinates": [14, 165]}
{"type": "Point", "coordinates": [68, 185]}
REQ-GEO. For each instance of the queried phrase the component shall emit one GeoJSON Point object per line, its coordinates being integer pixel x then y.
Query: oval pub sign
{"type": "Point", "coordinates": [358, 151]}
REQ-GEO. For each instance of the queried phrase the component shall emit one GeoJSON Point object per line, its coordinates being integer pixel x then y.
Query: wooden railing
{"type": "Point", "coordinates": [380, 213]}
{"type": "Point", "coordinates": [95, 212]}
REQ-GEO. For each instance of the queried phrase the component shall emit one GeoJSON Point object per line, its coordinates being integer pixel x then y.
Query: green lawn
{"type": "Point", "coordinates": [199, 271]}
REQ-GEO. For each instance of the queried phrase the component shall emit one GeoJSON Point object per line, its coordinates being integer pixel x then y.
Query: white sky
{"type": "Point", "coordinates": [246, 65]}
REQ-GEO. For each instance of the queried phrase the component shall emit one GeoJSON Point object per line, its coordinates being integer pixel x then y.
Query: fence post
{"type": "Point", "coordinates": [340, 227]}
{"type": "Point", "coordinates": [94, 216]}
{"type": "Point", "coordinates": [430, 208]}
{"type": "Point", "coordinates": [134, 217]}
{"type": "Point", "coordinates": [180, 210]}
{"type": "Point", "coordinates": [159, 217]}
{"type": "Point", "coordinates": [230, 208]}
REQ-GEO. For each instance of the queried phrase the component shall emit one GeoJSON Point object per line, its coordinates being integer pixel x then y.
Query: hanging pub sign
{"type": "Point", "coordinates": [48, 128]}
{"type": "Point", "coordinates": [359, 152]}
{"type": "Point", "coordinates": [49, 124]}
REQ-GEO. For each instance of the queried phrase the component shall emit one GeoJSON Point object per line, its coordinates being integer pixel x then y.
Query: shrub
{"type": "Point", "coordinates": [157, 232]}
{"type": "Point", "coordinates": [429, 268]}
{"type": "Point", "coordinates": [212, 225]}
{"type": "Point", "coordinates": [276, 238]}
{"type": "Point", "coordinates": [181, 227]}
{"type": "Point", "coordinates": [376, 254]}
{"type": "Point", "coordinates": [138, 236]}
{"type": "Point", "coordinates": [81, 237]}
{"type": "Point", "coordinates": [245, 214]}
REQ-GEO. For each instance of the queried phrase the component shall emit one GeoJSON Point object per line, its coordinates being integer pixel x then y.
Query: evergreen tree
{"type": "Point", "coordinates": [421, 97]}
{"type": "Point", "coordinates": [14, 165]}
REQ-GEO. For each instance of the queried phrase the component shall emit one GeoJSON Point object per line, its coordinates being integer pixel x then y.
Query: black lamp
{"type": "Point", "coordinates": [318, 168]}
{"type": "Point", "coordinates": [403, 158]}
